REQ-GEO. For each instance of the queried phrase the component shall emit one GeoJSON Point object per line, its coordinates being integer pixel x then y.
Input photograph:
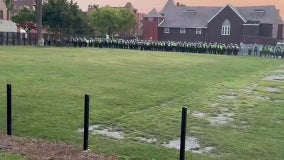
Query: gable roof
{"type": "Point", "coordinates": [129, 5]}
{"type": "Point", "coordinates": [189, 16]}
{"type": "Point", "coordinates": [200, 16]}
{"type": "Point", "coordinates": [153, 13]}
{"type": "Point", "coordinates": [169, 5]}
{"type": "Point", "coordinates": [270, 14]}
{"type": "Point", "coordinates": [234, 9]}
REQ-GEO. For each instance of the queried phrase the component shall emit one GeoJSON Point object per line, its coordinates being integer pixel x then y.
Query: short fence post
{"type": "Point", "coordinates": [13, 38]}
{"type": "Point", "coordinates": [7, 38]}
{"type": "Point", "coordinates": [30, 38]}
{"type": "Point", "coordinates": [86, 122]}
{"type": "Point", "coordinates": [35, 35]}
{"type": "Point", "coordinates": [18, 35]}
{"type": "Point", "coordinates": [183, 133]}
{"type": "Point", "coordinates": [9, 109]}
{"type": "Point", "coordinates": [1, 35]}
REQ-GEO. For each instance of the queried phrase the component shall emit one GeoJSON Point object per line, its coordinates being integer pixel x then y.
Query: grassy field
{"type": "Point", "coordinates": [5, 156]}
{"type": "Point", "coordinates": [141, 94]}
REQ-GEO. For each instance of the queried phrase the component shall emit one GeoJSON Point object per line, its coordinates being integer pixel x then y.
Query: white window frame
{"type": "Point", "coordinates": [182, 31]}
{"type": "Point", "coordinates": [166, 30]}
{"type": "Point", "coordinates": [150, 19]}
{"type": "Point", "coordinates": [198, 31]}
{"type": "Point", "coordinates": [226, 28]}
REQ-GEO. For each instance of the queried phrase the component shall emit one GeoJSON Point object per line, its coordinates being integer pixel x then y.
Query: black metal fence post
{"type": "Point", "coordinates": [30, 38]}
{"type": "Point", "coordinates": [7, 38]}
{"type": "Point", "coordinates": [13, 38]}
{"type": "Point", "coordinates": [9, 109]}
{"type": "Point", "coordinates": [35, 38]}
{"type": "Point", "coordinates": [1, 37]}
{"type": "Point", "coordinates": [183, 133]}
{"type": "Point", "coordinates": [86, 122]}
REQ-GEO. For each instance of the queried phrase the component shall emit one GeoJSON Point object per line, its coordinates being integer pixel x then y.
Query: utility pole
{"type": "Point", "coordinates": [40, 41]}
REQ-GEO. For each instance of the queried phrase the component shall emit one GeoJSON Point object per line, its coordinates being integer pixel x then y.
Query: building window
{"type": "Point", "coordinates": [198, 30]}
{"type": "Point", "coordinates": [182, 31]}
{"type": "Point", "coordinates": [226, 28]}
{"type": "Point", "coordinates": [150, 19]}
{"type": "Point", "coordinates": [166, 30]}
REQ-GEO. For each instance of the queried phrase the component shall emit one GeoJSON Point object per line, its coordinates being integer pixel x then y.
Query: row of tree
{"type": "Point", "coordinates": [64, 17]}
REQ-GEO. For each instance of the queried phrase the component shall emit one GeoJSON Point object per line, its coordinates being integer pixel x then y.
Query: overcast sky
{"type": "Point", "coordinates": [145, 6]}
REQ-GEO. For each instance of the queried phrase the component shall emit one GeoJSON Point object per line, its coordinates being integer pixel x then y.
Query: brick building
{"type": "Point", "coordinates": [3, 10]}
{"type": "Point", "coordinates": [228, 24]}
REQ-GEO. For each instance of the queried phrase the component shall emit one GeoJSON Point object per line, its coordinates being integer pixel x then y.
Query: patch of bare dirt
{"type": "Point", "coordinates": [43, 150]}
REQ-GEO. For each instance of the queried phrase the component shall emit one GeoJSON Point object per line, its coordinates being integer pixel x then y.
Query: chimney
{"type": "Point", "coordinates": [177, 3]}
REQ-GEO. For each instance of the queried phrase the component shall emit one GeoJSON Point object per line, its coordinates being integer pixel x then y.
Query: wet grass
{"type": "Point", "coordinates": [141, 94]}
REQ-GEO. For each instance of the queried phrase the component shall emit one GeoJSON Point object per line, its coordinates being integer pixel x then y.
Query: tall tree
{"type": "Point", "coordinates": [25, 19]}
{"type": "Point", "coordinates": [105, 20]}
{"type": "Point", "coordinates": [63, 17]}
{"type": "Point", "coordinates": [127, 21]}
{"type": "Point", "coordinates": [55, 15]}
{"type": "Point", "coordinates": [78, 21]}
{"type": "Point", "coordinates": [110, 21]}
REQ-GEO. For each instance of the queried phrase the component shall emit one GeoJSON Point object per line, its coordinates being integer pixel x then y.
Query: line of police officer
{"type": "Point", "coordinates": [272, 51]}
{"type": "Point", "coordinates": [170, 46]}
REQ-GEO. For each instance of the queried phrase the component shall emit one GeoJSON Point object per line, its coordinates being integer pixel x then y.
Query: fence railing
{"type": "Point", "coordinates": [24, 39]}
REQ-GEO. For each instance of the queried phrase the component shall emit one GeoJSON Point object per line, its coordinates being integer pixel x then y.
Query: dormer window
{"type": "Point", "coordinates": [258, 13]}
{"type": "Point", "coordinates": [191, 12]}
{"type": "Point", "coordinates": [258, 10]}
{"type": "Point", "coordinates": [226, 28]}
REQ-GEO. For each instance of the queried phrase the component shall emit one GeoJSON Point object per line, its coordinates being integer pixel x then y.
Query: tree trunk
{"type": "Point", "coordinates": [40, 40]}
{"type": "Point", "coordinates": [8, 15]}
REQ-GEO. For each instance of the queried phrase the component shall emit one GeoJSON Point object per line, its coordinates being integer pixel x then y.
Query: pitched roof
{"type": "Point", "coordinates": [199, 16]}
{"type": "Point", "coordinates": [232, 8]}
{"type": "Point", "coordinates": [189, 16]}
{"type": "Point", "coordinates": [129, 5]}
{"type": "Point", "coordinates": [169, 5]}
{"type": "Point", "coordinates": [263, 14]}
{"type": "Point", "coordinates": [153, 13]}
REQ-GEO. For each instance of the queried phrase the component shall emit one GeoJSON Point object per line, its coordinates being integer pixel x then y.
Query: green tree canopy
{"type": "Point", "coordinates": [25, 19]}
{"type": "Point", "coordinates": [127, 19]}
{"type": "Point", "coordinates": [107, 20]}
{"type": "Point", "coordinates": [61, 16]}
